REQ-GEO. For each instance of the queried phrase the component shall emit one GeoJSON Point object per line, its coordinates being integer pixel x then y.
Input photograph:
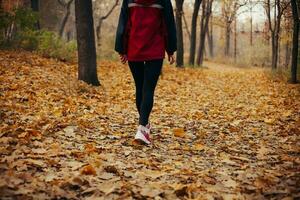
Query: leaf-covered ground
{"type": "Point", "coordinates": [219, 133]}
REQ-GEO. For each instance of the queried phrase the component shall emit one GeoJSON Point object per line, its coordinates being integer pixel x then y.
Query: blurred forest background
{"type": "Point", "coordinates": [240, 32]}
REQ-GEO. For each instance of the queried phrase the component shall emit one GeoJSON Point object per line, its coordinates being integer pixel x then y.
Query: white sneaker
{"type": "Point", "coordinates": [143, 134]}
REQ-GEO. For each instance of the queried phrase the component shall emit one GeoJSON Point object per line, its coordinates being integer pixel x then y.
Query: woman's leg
{"type": "Point", "coordinates": [137, 71]}
{"type": "Point", "coordinates": [151, 74]}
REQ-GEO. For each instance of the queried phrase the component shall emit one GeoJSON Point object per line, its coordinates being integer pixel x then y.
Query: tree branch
{"type": "Point", "coordinates": [110, 11]}
{"type": "Point", "coordinates": [63, 3]}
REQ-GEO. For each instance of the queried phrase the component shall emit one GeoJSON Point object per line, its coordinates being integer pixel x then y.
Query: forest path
{"type": "Point", "coordinates": [219, 133]}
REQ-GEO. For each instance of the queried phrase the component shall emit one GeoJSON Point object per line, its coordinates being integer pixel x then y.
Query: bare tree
{"type": "Point", "coordinates": [193, 31]}
{"type": "Point", "coordinates": [279, 8]}
{"type": "Point", "coordinates": [210, 37]}
{"type": "Point", "coordinates": [67, 6]}
{"type": "Point", "coordinates": [251, 23]}
{"type": "Point", "coordinates": [229, 11]}
{"type": "Point", "coordinates": [103, 18]}
{"type": "Point", "coordinates": [286, 35]}
{"type": "Point", "coordinates": [180, 49]}
{"type": "Point", "coordinates": [87, 69]}
{"type": "Point", "coordinates": [206, 11]}
{"type": "Point", "coordinates": [235, 38]}
{"type": "Point", "coordinates": [295, 10]}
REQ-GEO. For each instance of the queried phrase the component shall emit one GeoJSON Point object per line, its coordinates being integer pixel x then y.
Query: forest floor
{"type": "Point", "coordinates": [219, 133]}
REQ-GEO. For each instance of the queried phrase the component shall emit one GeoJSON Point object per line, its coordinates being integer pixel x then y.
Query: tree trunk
{"type": "Point", "coordinates": [274, 51]}
{"type": "Point", "coordinates": [287, 54]}
{"type": "Point", "coordinates": [210, 37]}
{"type": "Point", "coordinates": [180, 49]}
{"type": "Point", "coordinates": [295, 42]}
{"type": "Point", "coordinates": [206, 10]}
{"type": "Point", "coordinates": [98, 32]}
{"type": "Point", "coordinates": [35, 8]}
{"type": "Point", "coordinates": [194, 31]}
{"type": "Point", "coordinates": [235, 39]}
{"type": "Point", "coordinates": [202, 31]}
{"type": "Point", "coordinates": [272, 29]}
{"type": "Point", "coordinates": [251, 24]}
{"type": "Point", "coordinates": [275, 34]}
{"type": "Point", "coordinates": [268, 21]}
{"type": "Point", "coordinates": [87, 69]}
{"type": "Point", "coordinates": [35, 5]}
{"type": "Point", "coordinates": [279, 53]}
{"type": "Point", "coordinates": [227, 39]}
{"type": "Point", "coordinates": [65, 19]}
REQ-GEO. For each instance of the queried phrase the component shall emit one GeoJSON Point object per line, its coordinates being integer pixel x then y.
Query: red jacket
{"type": "Point", "coordinates": [146, 35]}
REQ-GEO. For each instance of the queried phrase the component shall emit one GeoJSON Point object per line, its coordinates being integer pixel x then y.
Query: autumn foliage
{"type": "Point", "coordinates": [219, 133]}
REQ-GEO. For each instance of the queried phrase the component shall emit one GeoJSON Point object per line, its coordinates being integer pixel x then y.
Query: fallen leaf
{"type": "Point", "coordinates": [88, 170]}
{"type": "Point", "coordinates": [269, 121]}
{"type": "Point", "coordinates": [210, 180]}
{"type": "Point", "coordinates": [70, 131]}
{"type": "Point", "coordinates": [106, 176]}
{"type": "Point", "coordinates": [198, 147]}
{"type": "Point", "coordinates": [90, 148]}
{"type": "Point", "coordinates": [179, 132]}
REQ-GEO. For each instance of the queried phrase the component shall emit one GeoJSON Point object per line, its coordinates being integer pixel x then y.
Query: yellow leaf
{"type": "Point", "coordinates": [57, 113]}
{"type": "Point", "coordinates": [198, 147]}
{"type": "Point", "coordinates": [22, 135]}
{"type": "Point", "coordinates": [287, 113]}
{"type": "Point", "coordinates": [269, 121]}
{"type": "Point", "coordinates": [179, 132]}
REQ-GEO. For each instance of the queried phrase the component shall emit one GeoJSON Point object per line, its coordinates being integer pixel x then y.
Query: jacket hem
{"type": "Point", "coordinates": [145, 59]}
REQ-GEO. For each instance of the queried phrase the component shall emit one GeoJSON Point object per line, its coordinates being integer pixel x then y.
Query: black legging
{"type": "Point", "coordinates": [145, 75]}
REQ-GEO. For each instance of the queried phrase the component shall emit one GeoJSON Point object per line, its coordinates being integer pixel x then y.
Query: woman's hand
{"type": "Point", "coordinates": [123, 58]}
{"type": "Point", "coordinates": [171, 59]}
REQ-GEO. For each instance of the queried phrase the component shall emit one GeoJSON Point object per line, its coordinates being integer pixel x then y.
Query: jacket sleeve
{"type": "Point", "coordinates": [171, 27]}
{"type": "Point", "coordinates": [119, 43]}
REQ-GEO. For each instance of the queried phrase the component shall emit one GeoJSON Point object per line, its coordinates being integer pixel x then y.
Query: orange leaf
{"type": "Point", "coordinates": [179, 132]}
{"type": "Point", "coordinates": [88, 170]}
{"type": "Point", "coordinates": [90, 148]}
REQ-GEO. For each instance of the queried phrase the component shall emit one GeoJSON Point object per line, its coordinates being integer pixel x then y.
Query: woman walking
{"type": "Point", "coordinates": [145, 31]}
